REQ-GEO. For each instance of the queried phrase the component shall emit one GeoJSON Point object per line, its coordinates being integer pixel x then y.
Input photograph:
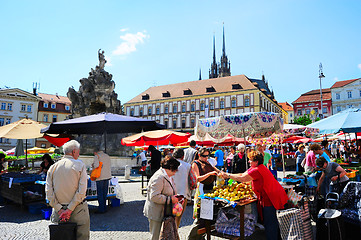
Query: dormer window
{"type": "Point", "coordinates": [187, 92]}
{"type": "Point", "coordinates": [236, 86]}
{"type": "Point", "coordinates": [145, 97]}
{"type": "Point", "coordinates": [166, 94]}
{"type": "Point", "coordinates": [210, 89]}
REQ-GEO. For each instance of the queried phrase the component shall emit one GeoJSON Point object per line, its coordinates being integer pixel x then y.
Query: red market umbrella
{"type": "Point", "coordinates": [157, 137]}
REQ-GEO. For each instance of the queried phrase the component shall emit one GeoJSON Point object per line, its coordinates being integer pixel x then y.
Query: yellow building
{"type": "Point", "coordinates": [179, 105]}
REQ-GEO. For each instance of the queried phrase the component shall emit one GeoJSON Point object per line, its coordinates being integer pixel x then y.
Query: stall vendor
{"type": "Point", "coordinates": [270, 194]}
{"type": "Point", "coordinates": [333, 172]}
{"type": "Point", "coordinates": [2, 164]}
{"type": "Point", "coordinates": [45, 165]}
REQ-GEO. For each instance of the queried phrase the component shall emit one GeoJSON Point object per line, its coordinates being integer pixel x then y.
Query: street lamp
{"type": "Point", "coordinates": [321, 76]}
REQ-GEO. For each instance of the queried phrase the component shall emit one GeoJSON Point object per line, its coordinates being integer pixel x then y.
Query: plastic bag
{"type": "Point", "coordinates": [96, 172]}
{"type": "Point", "coordinates": [118, 189]}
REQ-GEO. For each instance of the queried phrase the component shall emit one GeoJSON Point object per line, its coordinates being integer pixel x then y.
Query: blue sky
{"type": "Point", "coordinates": [149, 43]}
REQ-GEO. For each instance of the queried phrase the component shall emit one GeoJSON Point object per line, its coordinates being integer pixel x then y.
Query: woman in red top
{"type": "Point", "coordinates": [270, 194]}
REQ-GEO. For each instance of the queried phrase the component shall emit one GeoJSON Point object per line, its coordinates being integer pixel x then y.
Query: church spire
{"type": "Point", "coordinates": [200, 74]}
{"type": "Point", "coordinates": [213, 72]}
{"type": "Point", "coordinates": [225, 66]}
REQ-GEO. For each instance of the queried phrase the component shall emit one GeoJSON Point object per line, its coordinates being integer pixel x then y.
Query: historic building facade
{"type": "Point", "coordinates": [16, 104]}
{"type": "Point", "coordinates": [346, 94]}
{"type": "Point", "coordinates": [309, 103]}
{"type": "Point", "coordinates": [179, 105]}
{"type": "Point", "coordinates": [289, 117]}
{"type": "Point", "coordinates": [52, 108]}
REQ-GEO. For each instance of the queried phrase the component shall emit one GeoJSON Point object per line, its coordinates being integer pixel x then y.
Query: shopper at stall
{"type": "Point", "coordinates": [46, 163]}
{"type": "Point", "coordinates": [300, 156]}
{"type": "Point", "coordinates": [334, 172]}
{"type": "Point", "coordinates": [102, 182]}
{"type": "Point", "coordinates": [270, 194]}
{"type": "Point", "coordinates": [239, 160]}
{"type": "Point", "coordinates": [155, 158]}
{"type": "Point", "coordinates": [229, 159]}
{"type": "Point", "coordinates": [207, 175]}
{"type": "Point", "coordinates": [317, 149]}
{"type": "Point", "coordinates": [143, 157]}
{"type": "Point", "coordinates": [266, 156]}
{"type": "Point", "coordinates": [190, 152]}
{"type": "Point", "coordinates": [65, 188]}
{"type": "Point", "coordinates": [160, 187]}
{"type": "Point", "coordinates": [219, 156]}
{"type": "Point", "coordinates": [2, 164]}
{"type": "Point", "coordinates": [181, 180]}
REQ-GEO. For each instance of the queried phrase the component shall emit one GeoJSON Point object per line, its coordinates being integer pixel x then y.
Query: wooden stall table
{"type": "Point", "coordinates": [210, 230]}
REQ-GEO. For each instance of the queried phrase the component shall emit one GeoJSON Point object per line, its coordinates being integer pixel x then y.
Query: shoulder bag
{"type": "Point", "coordinates": [169, 229]}
{"type": "Point", "coordinates": [96, 172]}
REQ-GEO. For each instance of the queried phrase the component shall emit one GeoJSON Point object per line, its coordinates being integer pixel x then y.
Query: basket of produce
{"type": "Point", "coordinates": [351, 173]}
{"type": "Point", "coordinates": [232, 192]}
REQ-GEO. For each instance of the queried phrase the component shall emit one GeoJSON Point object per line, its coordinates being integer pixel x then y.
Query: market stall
{"type": "Point", "coordinates": [237, 195]}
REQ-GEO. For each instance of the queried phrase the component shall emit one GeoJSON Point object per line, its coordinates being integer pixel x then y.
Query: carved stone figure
{"type": "Point", "coordinates": [102, 60]}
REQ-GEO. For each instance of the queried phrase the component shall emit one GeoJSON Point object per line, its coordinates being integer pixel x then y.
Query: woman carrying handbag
{"type": "Point", "coordinates": [160, 188]}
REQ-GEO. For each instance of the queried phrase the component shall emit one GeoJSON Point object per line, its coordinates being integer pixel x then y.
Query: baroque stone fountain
{"type": "Point", "coordinates": [96, 95]}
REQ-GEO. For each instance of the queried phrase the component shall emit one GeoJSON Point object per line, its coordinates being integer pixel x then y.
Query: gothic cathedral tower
{"type": "Point", "coordinates": [225, 67]}
{"type": "Point", "coordinates": [213, 72]}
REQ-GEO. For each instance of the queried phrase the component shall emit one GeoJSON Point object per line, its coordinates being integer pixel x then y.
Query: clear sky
{"type": "Point", "coordinates": [150, 43]}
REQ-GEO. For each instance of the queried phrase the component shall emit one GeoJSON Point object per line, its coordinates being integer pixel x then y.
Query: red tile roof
{"type": "Point", "coordinates": [54, 98]}
{"type": "Point", "coordinates": [343, 83]}
{"type": "Point", "coordinates": [286, 106]}
{"type": "Point", "coordinates": [314, 96]}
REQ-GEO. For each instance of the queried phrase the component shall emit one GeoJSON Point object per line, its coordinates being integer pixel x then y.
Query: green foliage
{"type": "Point", "coordinates": [303, 120]}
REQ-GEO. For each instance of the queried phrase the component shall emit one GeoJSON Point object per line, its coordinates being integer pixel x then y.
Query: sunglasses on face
{"type": "Point", "coordinates": [204, 155]}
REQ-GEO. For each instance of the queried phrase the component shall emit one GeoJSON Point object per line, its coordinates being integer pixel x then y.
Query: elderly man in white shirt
{"type": "Point", "coordinates": [181, 180]}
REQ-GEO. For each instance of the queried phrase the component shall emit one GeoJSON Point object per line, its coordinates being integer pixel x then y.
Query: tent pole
{"type": "Point", "coordinates": [26, 153]}
{"type": "Point", "coordinates": [245, 149]}
{"type": "Point", "coordinates": [105, 142]}
{"type": "Point", "coordinates": [283, 158]}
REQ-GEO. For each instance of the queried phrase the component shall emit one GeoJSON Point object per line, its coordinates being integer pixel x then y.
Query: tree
{"type": "Point", "coordinates": [303, 120]}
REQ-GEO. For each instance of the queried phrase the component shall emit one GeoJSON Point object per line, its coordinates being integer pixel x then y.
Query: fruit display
{"type": "Point", "coordinates": [232, 192]}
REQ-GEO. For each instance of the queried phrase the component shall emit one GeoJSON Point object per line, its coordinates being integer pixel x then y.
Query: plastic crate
{"type": "Point", "coordinates": [115, 202]}
{"type": "Point", "coordinates": [46, 213]}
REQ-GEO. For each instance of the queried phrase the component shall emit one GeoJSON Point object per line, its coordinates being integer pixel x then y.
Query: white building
{"type": "Point", "coordinates": [346, 94]}
{"type": "Point", "coordinates": [16, 104]}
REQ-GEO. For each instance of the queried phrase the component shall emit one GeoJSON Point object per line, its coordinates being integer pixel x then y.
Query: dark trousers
{"type": "Point", "coordinates": [102, 191]}
{"type": "Point", "coordinates": [271, 223]}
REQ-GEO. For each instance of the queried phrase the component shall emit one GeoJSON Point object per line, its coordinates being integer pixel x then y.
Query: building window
{"type": "Point", "coordinates": [45, 118]}
{"type": "Point", "coordinates": [290, 114]}
{"type": "Point", "coordinates": [166, 109]}
{"type": "Point", "coordinates": [131, 112]}
{"type": "Point", "coordinates": [29, 108]}
{"type": "Point", "coordinates": [349, 94]}
{"type": "Point", "coordinates": [211, 105]}
{"type": "Point", "coordinates": [166, 94]}
{"type": "Point", "coordinates": [174, 123]}
{"type": "Point", "coordinates": [234, 103]}
{"type": "Point", "coordinates": [221, 104]}
{"type": "Point", "coordinates": [67, 108]}
{"type": "Point", "coordinates": [338, 108]}
{"type": "Point", "coordinates": [166, 124]}
{"type": "Point", "coordinates": [299, 112]}
{"type": "Point", "coordinates": [43, 145]}
{"type": "Point", "coordinates": [192, 107]}
{"type": "Point", "coordinates": [23, 107]}
{"type": "Point", "coordinates": [1, 121]}
{"type": "Point", "coordinates": [183, 108]}
{"type": "Point", "coordinates": [10, 106]}
{"type": "Point", "coordinates": [192, 123]}
{"type": "Point", "coordinates": [307, 111]}
{"type": "Point", "coordinates": [174, 108]}
{"type": "Point", "coordinates": [183, 123]}
{"type": "Point", "coordinates": [157, 110]}
{"type": "Point", "coordinates": [202, 106]}
{"type": "Point", "coordinates": [324, 110]}
{"type": "Point", "coordinates": [55, 118]}
{"type": "Point", "coordinates": [45, 105]}
{"type": "Point", "coordinates": [141, 112]}
{"type": "Point", "coordinates": [145, 97]}
{"type": "Point", "coordinates": [53, 105]}
{"type": "Point", "coordinates": [3, 106]}
{"type": "Point", "coordinates": [337, 96]}
{"type": "Point", "coordinates": [246, 102]}
{"type": "Point", "coordinates": [149, 111]}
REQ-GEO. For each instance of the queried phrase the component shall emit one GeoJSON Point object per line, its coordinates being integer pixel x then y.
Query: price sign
{"type": "Point", "coordinates": [207, 209]}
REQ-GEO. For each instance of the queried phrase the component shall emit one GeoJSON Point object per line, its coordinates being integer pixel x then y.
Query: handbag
{"type": "Point", "coordinates": [63, 231]}
{"type": "Point", "coordinates": [96, 172]}
{"type": "Point", "coordinates": [290, 222]}
{"type": "Point", "coordinates": [169, 230]}
{"type": "Point", "coordinates": [192, 180]}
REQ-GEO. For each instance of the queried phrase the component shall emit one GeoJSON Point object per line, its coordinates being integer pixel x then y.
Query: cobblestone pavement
{"type": "Point", "coordinates": [125, 222]}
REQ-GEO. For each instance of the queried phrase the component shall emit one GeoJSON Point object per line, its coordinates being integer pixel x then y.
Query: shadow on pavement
{"type": "Point", "coordinates": [16, 214]}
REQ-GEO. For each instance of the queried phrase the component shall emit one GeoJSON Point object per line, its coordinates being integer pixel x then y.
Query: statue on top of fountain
{"type": "Point", "coordinates": [96, 93]}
